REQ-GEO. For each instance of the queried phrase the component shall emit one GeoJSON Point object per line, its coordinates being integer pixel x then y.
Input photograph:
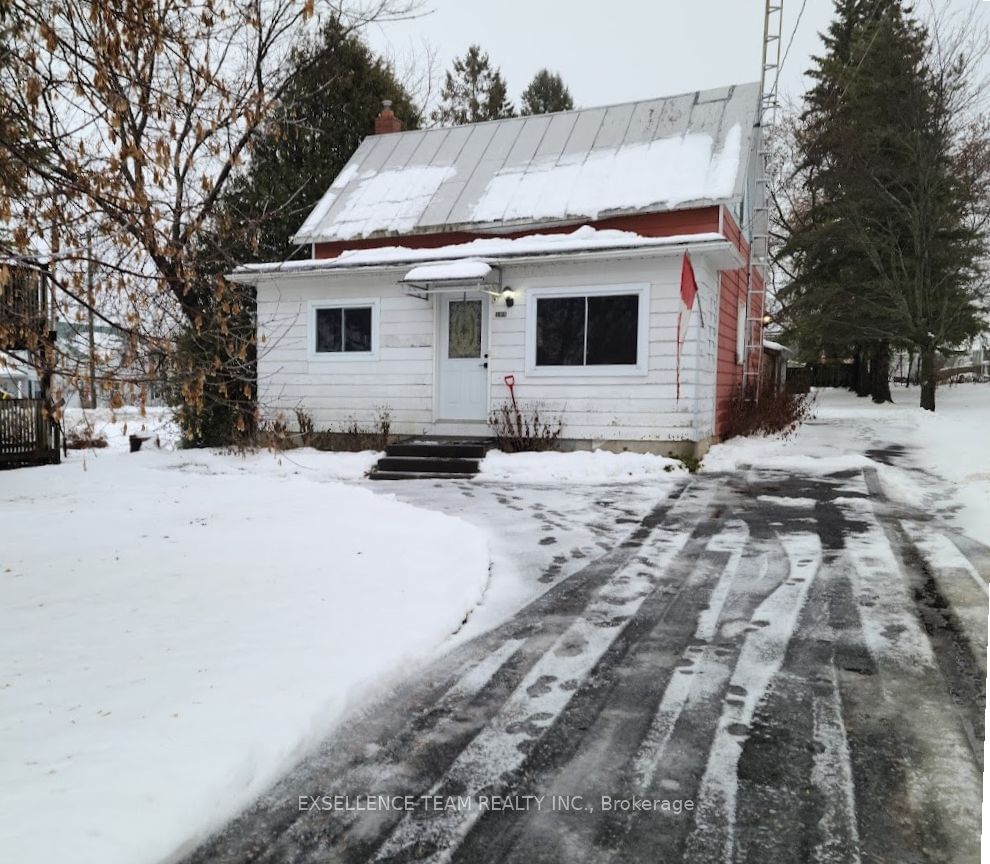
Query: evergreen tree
{"type": "Point", "coordinates": [874, 145]}
{"type": "Point", "coordinates": [473, 92]}
{"type": "Point", "coordinates": [545, 94]}
{"type": "Point", "coordinates": [329, 108]}
{"type": "Point", "coordinates": [13, 124]}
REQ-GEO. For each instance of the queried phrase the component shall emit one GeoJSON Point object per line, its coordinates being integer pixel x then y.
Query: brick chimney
{"type": "Point", "coordinates": [387, 121]}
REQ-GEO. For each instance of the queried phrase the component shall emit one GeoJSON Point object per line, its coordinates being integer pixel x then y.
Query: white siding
{"type": "Point", "coordinates": [597, 408]}
{"type": "Point", "coordinates": [332, 391]}
{"type": "Point", "coordinates": [624, 408]}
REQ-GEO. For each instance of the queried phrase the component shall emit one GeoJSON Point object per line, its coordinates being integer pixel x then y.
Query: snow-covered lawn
{"type": "Point", "coordinates": [117, 425]}
{"type": "Point", "coordinates": [938, 462]}
{"type": "Point", "coordinates": [177, 627]}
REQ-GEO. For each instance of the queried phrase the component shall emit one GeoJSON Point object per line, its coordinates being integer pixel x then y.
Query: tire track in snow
{"type": "Point", "coordinates": [958, 581]}
{"type": "Point", "coordinates": [501, 746]}
{"type": "Point", "coordinates": [708, 665]}
{"type": "Point", "coordinates": [832, 775]}
{"type": "Point", "coordinates": [589, 748]}
{"type": "Point", "coordinates": [796, 796]}
{"type": "Point", "coordinates": [678, 767]}
{"type": "Point", "coordinates": [762, 655]}
{"type": "Point", "coordinates": [941, 786]}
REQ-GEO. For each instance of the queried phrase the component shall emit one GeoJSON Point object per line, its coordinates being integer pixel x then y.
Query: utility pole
{"type": "Point", "coordinates": [759, 252]}
{"type": "Point", "coordinates": [90, 300]}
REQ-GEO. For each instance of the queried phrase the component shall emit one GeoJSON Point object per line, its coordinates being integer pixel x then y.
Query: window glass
{"type": "Point", "coordinates": [560, 324]}
{"type": "Point", "coordinates": [598, 330]}
{"type": "Point", "coordinates": [613, 330]}
{"type": "Point", "coordinates": [346, 328]}
{"type": "Point", "coordinates": [328, 330]}
{"type": "Point", "coordinates": [357, 328]}
{"type": "Point", "coordinates": [740, 332]}
{"type": "Point", "coordinates": [464, 328]}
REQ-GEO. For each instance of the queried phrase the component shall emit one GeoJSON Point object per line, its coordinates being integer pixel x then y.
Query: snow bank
{"type": "Point", "coordinates": [199, 622]}
{"type": "Point", "coordinates": [597, 466]}
{"type": "Point", "coordinates": [912, 450]}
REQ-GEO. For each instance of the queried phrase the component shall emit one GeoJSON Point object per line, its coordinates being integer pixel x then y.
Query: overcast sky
{"type": "Point", "coordinates": [621, 50]}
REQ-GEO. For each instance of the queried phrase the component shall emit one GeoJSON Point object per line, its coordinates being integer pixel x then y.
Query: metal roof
{"type": "Point", "coordinates": [660, 154]}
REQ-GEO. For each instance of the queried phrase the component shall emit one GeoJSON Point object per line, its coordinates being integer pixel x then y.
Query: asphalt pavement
{"type": "Point", "coordinates": [768, 667]}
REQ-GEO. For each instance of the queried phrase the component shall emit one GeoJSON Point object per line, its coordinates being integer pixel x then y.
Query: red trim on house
{"type": "Point", "coordinates": [702, 220]}
{"type": "Point", "coordinates": [733, 289]}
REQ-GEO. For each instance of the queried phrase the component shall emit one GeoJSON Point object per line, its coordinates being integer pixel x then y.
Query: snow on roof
{"type": "Point", "coordinates": [583, 239]}
{"type": "Point", "coordinates": [691, 149]}
{"type": "Point", "coordinates": [12, 368]}
{"type": "Point", "coordinates": [449, 271]}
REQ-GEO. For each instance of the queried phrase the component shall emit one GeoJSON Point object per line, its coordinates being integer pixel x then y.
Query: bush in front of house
{"type": "Point", "coordinates": [527, 427]}
{"type": "Point", "coordinates": [353, 436]}
{"type": "Point", "coordinates": [775, 412]}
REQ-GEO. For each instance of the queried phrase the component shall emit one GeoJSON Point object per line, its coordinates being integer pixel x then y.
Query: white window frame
{"type": "Point", "coordinates": [342, 356]}
{"type": "Point", "coordinates": [642, 367]}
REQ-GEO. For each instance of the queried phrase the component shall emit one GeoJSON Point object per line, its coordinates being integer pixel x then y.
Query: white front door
{"type": "Point", "coordinates": [463, 372]}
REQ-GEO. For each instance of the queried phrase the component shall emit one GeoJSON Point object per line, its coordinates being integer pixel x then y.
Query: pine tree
{"type": "Point", "coordinates": [873, 151]}
{"type": "Point", "coordinates": [13, 124]}
{"type": "Point", "coordinates": [473, 91]}
{"type": "Point", "coordinates": [545, 94]}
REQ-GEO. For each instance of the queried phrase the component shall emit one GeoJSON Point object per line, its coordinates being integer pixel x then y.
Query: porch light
{"type": "Point", "coordinates": [507, 295]}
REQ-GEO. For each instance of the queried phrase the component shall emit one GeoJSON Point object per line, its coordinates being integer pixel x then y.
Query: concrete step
{"type": "Point", "coordinates": [428, 464]}
{"type": "Point", "coordinates": [413, 475]}
{"type": "Point", "coordinates": [441, 450]}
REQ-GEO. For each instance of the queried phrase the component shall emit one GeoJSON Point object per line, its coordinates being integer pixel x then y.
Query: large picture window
{"type": "Point", "coordinates": [590, 330]}
{"type": "Point", "coordinates": [343, 330]}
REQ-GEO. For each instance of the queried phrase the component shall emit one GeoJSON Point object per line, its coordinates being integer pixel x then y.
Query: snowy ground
{"type": "Point", "coordinates": [937, 462]}
{"type": "Point", "coordinates": [540, 533]}
{"type": "Point", "coordinates": [183, 646]}
{"type": "Point", "coordinates": [117, 425]}
{"type": "Point", "coordinates": [762, 654]}
{"type": "Point", "coordinates": [580, 467]}
{"type": "Point", "coordinates": [177, 627]}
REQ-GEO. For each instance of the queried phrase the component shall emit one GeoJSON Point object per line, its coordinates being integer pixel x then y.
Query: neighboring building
{"type": "Point", "coordinates": [547, 250]}
{"type": "Point", "coordinates": [18, 380]}
{"type": "Point", "coordinates": [29, 433]}
{"type": "Point", "coordinates": [775, 360]}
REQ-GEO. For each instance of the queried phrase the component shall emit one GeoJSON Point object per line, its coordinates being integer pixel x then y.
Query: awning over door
{"type": "Point", "coordinates": [443, 277]}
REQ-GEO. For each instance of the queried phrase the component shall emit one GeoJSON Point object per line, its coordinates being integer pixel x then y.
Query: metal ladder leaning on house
{"type": "Point", "coordinates": [758, 267]}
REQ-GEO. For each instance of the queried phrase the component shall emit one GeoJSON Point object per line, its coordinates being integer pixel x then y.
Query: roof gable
{"type": "Point", "coordinates": [639, 157]}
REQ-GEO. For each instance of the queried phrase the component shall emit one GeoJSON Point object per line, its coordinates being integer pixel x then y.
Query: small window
{"type": "Point", "coordinates": [740, 332]}
{"type": "Point", "coordinates": [597, 330]}
{"type": "Point", "coordinates": [343, 329]}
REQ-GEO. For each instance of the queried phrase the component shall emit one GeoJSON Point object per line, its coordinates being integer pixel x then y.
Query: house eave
{"type": "Point", "coordinates": [723, 253]}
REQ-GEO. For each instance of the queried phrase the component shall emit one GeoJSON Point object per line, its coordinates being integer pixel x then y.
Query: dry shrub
{"type": "Point", "coordinates": [518, 429]}
{"type": "Point", "coordinates": [353, 437]}
{"type": "Point", "coordinates": [776, 412]}
{"type": "Point", "coordinates": [272, 434]}
{"type": "Point", "coordinates": [88, 440]}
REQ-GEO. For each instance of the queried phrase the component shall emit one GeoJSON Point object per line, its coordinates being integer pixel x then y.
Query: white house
{"type": "Point", "coordinates": [551, 252]}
